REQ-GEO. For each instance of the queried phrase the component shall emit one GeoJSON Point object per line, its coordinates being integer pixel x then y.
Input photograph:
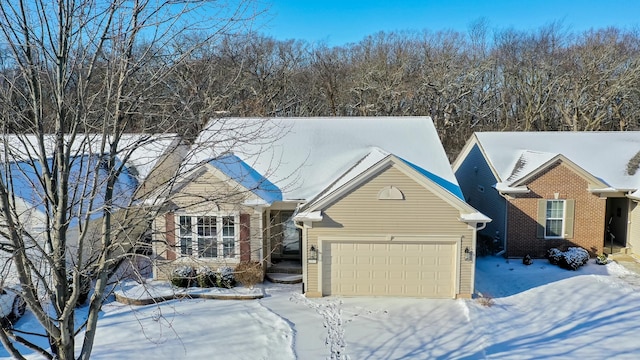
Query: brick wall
{"type": "Point", "coordinates": [522, 210]}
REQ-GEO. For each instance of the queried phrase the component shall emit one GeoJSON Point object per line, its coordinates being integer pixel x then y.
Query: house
{"type": "Point", "coordinates": [368, 206]}
{"type": "Point", "coordinates": [143, 158]}
{"type": "Point", "coordinates": [554, 189]}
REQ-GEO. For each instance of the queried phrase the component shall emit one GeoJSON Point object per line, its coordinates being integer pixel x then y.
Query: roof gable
{"type": "Point", "coordinates": [603, 155]}
{"type": "Point", "coordinates": [420, 176]}
{"type": "Point", "coordinates": [239, 171]}
{"type": "Point", "coordinates": [526, 176]}
{"type": "Point", "coordinates": [303, 157]}
{"type": "Point", "coordinates": [528, 162]}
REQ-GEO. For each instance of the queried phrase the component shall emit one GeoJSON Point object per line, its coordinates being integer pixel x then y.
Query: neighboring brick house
{"type": "Point", "coordinates": [554, 189]}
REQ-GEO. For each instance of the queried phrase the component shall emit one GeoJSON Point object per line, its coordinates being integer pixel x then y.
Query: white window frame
{"type": "Point", "coordinates": [562, 219]}
{"type": "Point", "coordinates": [218, 237]}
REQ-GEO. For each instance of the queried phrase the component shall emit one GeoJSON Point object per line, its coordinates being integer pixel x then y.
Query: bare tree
{"type": "Point", "coordinates": [78, 76]}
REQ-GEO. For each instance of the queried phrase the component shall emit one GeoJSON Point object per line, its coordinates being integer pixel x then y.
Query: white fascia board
{"type": "Point", "coordinates": [506, 189]}
{"type": "Point", "coordinates": [611, 190]}
{"type": "Point", "coordinates": [476, 217]}
{"type": "Point", "coordinates": [634, 195]}
{"type": "Point", "coordinates": [313, 216]}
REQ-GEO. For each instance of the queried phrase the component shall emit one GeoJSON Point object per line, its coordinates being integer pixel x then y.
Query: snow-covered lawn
{"type": "Point", "coordinates": [538, 311]}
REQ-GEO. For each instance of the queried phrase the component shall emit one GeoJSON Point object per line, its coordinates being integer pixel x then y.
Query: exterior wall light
{"type": "Point", "coordinates": [313, 255]}
{"type": "Point", "coordinates": [468, 254]}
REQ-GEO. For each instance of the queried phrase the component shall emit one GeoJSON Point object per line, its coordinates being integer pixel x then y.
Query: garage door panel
{"type": "Point", "coordinates": [423, 269]}
{"type": "Point", "coordinates": [380, 260]}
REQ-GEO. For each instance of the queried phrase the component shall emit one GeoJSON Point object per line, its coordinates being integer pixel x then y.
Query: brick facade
{"type": "Point", "coordinates": [522, 210]}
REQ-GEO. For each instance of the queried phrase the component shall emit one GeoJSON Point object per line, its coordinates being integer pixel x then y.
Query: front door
{"type": "Point", "coordinates": [286, 238]}
{"type": "Point", "coordinates": [616, 222]}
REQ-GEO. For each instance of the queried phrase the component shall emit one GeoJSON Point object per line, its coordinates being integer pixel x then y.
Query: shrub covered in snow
{"type": "Point", "coordinates": [183, 276]}
{"type": "Point", "coordinates": [249, 273]}
{"type": "Point", "coordinates": [12, 306]}
{"type": "Point", "coordinates": [571, 259]}
{"type": "Point", "coordinates": [207, 278]}
{"type": "Point", "coordinates": [527, 260]}
{"type": "Point", "coordinates": [554, 255]}
{"type": "Point", "coordinates": [225, 277]}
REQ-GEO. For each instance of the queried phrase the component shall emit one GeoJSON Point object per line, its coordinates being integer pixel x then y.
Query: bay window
{"type": "Point", "coordinates": [209, 236]}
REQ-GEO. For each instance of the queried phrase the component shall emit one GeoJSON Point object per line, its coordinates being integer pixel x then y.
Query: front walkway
{"type": "Point", "coordinates": [152, 292]}
{"type": "Point", "coordinates": [631, 263]}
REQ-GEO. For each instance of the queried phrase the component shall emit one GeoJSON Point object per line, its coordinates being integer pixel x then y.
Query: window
{"type": "Point", "coordinates": [228, 236]}
{"type": "Point", "coordinates": [202, 240]}
{"type": "Point", "coordinates": [186, 247]}
{"type": "Point", "coordinates": [554, 225]}
{"type": "Point", "coordinates": [207, 236]}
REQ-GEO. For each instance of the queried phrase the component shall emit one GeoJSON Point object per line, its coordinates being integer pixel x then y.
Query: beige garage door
{"type": "Point", "coordinates": [424, 269]}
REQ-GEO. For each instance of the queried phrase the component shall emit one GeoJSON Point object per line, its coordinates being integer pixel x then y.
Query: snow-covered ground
{"type": "Point", "coordinates": [538, 311]}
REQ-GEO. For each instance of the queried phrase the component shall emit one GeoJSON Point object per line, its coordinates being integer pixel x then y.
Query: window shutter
{"type": "Point", "coordinates": [245, 237]}
{"type": "Point", "coordinates": [170, 224]}
{"type": "Point", "coordinates": [542, 218]}
{"type": "Point", "coordinates": [569, 218]}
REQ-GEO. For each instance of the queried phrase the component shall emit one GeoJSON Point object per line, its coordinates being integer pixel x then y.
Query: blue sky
{"type": "Point", "coordinates": [338, 22]}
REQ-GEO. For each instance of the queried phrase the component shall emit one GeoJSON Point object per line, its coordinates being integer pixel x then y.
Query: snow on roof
{"type": "Point", "coordinates": [245, 175]}
{"type": "Point", "coordinates": [605, 155]}
{"type": "Point", "coordinates": [373, 157]}
{"type": "Point", "coordinates": [304, 156]}
{"type": "Point", "coordinates": [528, 162]}
{"type": "Point", "coordinates": [26, 183]}
{"type": "Point", "coordinates": [475, 217]}
{"type": "Point", "coordinates": [143, 150]}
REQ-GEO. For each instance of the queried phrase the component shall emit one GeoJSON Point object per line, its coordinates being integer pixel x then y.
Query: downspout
{"type": "Point", "coordinates": [506, 224]}
{"type": "Point", "coordinates": [303, 250]}
{"type": "Point", "coordinates": [628, 225]}
{"type": "Point", "coordinates": [504, 231]}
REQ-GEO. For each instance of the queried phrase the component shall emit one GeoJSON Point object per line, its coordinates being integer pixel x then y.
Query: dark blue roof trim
{"type": "Point", "coordinates": [245, 175]}
{"type": "Point", "coordinates": [447, 185]}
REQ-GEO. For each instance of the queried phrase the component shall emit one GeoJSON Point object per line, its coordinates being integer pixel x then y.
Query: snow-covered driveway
{"type": "Point", "coordinates": [539, 311]}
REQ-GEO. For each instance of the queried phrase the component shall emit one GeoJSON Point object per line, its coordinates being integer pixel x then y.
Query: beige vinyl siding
{"type": "Point", "coordinates": [633, 240]}
{"type": "Point", "coordinates": [165, 171]}
{"type": "Point", "coordinates": [421, 214]}
{"type": "Point", "coordinates": [360, 212]}
{"type": "Point", "coordinates": [256, 236]}
{"type": "Point", "coordinates": [207, 193]}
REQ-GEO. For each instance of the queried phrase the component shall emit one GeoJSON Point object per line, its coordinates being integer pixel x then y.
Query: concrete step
{"type": "Point", "coordinates": [283, 278]}
{"type": "Point", "coordinates": [285, 267]}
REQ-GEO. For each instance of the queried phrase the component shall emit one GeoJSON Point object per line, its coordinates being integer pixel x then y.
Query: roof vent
{"type": "Point", "coordinates": [390, 193]}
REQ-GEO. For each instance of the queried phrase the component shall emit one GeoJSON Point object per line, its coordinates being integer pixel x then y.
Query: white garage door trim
{"type": "Point", "coordinates": [429, 239]}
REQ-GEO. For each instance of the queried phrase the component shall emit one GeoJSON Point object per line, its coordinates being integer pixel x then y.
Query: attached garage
{"type": "Point", "coordinates": [389, 268]}
{"type": "Point", "coordinates": [389, 231]}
